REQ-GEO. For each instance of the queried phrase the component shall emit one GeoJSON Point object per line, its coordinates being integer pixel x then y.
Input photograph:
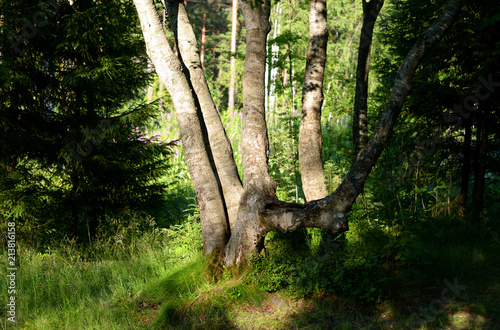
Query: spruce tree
{"type": "Point", "coordinates": [72, 77]}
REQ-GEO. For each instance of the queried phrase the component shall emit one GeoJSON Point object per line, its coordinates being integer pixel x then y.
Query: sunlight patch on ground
{"type": "Point", "coordinates": [466, 320]}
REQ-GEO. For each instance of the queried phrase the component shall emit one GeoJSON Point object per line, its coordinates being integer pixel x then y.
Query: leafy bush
{"type": "Point", "coordinates": [317, 271]}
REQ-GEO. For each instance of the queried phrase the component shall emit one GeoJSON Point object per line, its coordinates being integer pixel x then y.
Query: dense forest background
{"type": "Point", "coordinates": [93, 176]}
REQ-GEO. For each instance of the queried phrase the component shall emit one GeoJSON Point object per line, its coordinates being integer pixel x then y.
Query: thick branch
{"type": "Point", "coordinates": [288, 217]}
{"type": "Point", "coordinates": [310, 137]}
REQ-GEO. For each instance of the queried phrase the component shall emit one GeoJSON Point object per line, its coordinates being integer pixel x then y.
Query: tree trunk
{"type": "Point", "coordinates": [259, 189]}
{"type": "Point", "coordinates": [93, 223]}
{"type": "Point", "coordinates": [234, 24]}
{"type": "Point", "coordinates": [480, 165]}
{"type": "Point", "coordinates": [310, 137]}
{"type": "Point", "coordinates": [218, 146]}
{"type": "Point", "coordinates": [360, 114]}
{"type": "Point", "coordinates": [74, 213]}
{"type": "Point", "coordinates": [203, 37]}
{"type": "Point", "coordinates": [464, 185]}
{"type": "Point", "coordinates": [169, 68]}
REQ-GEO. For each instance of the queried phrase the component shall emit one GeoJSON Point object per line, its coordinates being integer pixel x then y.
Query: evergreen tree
{"type": "Point", "coordinates": [71, 75]}
{"type": "Point", "coordinates": [444, 118]}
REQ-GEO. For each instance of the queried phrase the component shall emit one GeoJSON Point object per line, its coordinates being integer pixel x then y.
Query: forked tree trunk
{"type": "Point", "coordinates": [218, 147]}
{"type": "Point", "coordinates": [310, 137]}
{"type": "Point", "coordinates": [259, 210]}
{"type": "Point", "coordinates": [360, 114]}
{"type": "Point", "coordinates": [170, 70]}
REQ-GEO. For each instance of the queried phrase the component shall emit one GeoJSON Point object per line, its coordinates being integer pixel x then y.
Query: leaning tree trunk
{"type": "Point", "coordinates": [218, 146]}
{"type": "Point", "coordinates": [310, 137]}
{"type": "Point", "coordinates": [360, 113]}
{"type": "Point", "coordinates": [212, 212]}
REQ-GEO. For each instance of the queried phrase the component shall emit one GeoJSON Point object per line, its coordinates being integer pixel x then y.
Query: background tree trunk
{"type": "Point", "coordinates": [203, 37]}
{"type": "Point", "coordinates": [464, 185]}
{"type": "Point", "coordinates": [480, 164]}
{"type": "Point", "coordinates": [360, 114]}
{"type": "Point", "coordinates": [231, 90]}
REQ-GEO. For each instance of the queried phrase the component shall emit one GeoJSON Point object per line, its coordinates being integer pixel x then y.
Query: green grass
{"type": "Point", "coordinates": [100, 287]}
{"type": "Point", "coordinates": [159, 280]}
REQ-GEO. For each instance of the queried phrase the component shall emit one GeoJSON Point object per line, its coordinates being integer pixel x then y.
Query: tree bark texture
{"type": "Point", "coordinates": [218, 145]}
{"type": "Point", "coordinates": [170, 70]}
{"type": "Point", "coordinates": [360, 115]}
{"type": "Point", "coordinates": [310, 137]}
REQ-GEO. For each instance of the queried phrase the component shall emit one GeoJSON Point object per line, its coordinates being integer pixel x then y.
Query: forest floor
{"type": "Point", "coordinates": [159, 280]}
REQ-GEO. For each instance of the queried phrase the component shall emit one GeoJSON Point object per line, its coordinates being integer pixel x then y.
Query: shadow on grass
{"type": "Point", "coordinates": [455, 285]}
{"type": "Point", "coordinates": [190, 299]}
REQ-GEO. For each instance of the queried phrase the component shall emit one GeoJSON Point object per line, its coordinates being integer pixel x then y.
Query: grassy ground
{"type": "Point", "coordinates": [159, 280]}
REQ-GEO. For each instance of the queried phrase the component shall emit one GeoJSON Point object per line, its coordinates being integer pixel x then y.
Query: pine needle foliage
{"type": "Point", "coordinates": [72, 79]}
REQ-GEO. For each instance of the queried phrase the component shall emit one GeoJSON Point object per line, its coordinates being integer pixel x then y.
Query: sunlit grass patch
{"type": "Point", "coordinates": [73, 286]}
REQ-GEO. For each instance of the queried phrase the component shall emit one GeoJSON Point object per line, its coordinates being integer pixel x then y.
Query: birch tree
{"type": "Point", "coordinates": [236, 215]}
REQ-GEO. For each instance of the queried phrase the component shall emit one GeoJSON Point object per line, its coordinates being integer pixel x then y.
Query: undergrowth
{"type": "Point", "coordinates": [158, 279]}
